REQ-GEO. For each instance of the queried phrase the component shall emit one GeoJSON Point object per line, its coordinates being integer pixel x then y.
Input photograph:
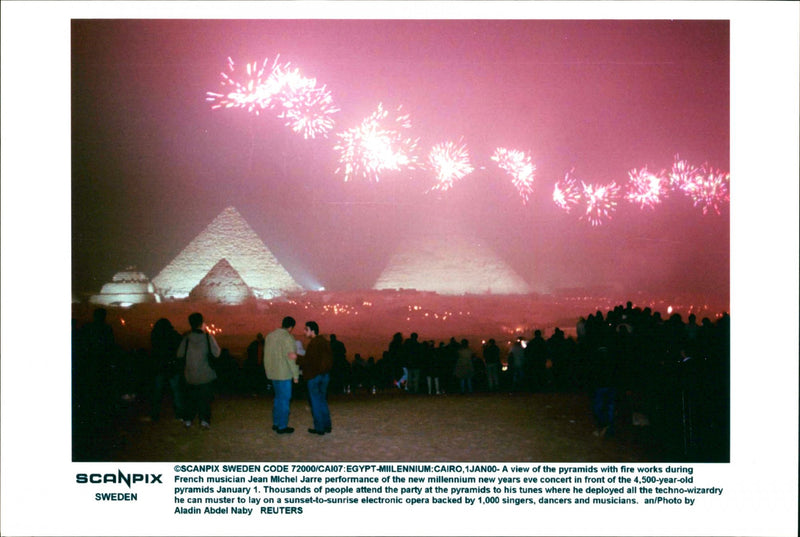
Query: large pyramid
{"type": "Point", "coordinates": [450, 265]}
{"type": "Point", "coordinates": [227, 237]}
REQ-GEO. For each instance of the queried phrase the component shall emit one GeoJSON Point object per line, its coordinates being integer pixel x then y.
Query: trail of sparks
{"type": "Point", "coordinates": [601, 202]}
{"type": "Point", "coordinates": [519, 166]}
{"type": "Point", "coordinates": [255, 92]}
{"type": "Point", "coordinates": [376, 146]}
{"type": "Point", "coordinates": [567, 193]}
{"type": "Point", "coordinates": [645, 188]}
{"type": "Point", "coordinates": [306, 108]}
{"type": "Point", "coordinates": [450, 162]}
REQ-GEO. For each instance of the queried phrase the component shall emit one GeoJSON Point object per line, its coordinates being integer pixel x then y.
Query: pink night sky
{"type": "Point", "coordinates": [153, 164]}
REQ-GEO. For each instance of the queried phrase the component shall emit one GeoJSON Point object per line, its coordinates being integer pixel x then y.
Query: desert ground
{"type": "Point", "coordinates": [387, 426]}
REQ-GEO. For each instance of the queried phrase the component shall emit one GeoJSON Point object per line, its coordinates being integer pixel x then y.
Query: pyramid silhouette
{"type": "Point", "coordinates": [450, 265]}
{"type": "Point", "coordinates": [227, 237]}
{"type": "Point", "coordinates": [222, 284]}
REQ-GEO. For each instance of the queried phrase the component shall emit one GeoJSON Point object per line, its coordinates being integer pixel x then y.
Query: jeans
{"type": "Point", "coordinates": [466, 385]}
{"type": "Point", "coordinates": [493, 376]}
{"type": "Point", "coordinates": [174, 382]}
{"type": "Point", "coordinates": [318, 397]}
{"type": "Point", "coordinates": [518, 378]}
{"type": "Point", "coordinates": [414, 374]}
{"type": "Point", "coordinates": [198, 401]}
{"type": "Point", "coordinates": [404, 378]}
{"type": "Point", "coordinates": [435, 383]}
{"type": "Point", "coordinates": [280, 404]}
{"type": "Point", "coordinates": [603, 402]}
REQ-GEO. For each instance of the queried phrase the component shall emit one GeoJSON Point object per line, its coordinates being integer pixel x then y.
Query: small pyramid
{"type": "Point", "coordinates": [227, 237]}
{"type": "Point", "coordinates": [450, 265]}
{"type": "Point", "coordinates": [223, 285]}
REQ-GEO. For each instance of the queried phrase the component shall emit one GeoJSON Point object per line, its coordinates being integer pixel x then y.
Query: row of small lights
{"type": "Point", "coordinates": [345, 309]}
{"type": "Point", "coordinates": [336, 309]}
{"type": "Point", "coordinates": [443, 317]}
{"type": "Point", "coordinates": [606, 304]}
{"type": "Point", "coordinates": [211, 328]}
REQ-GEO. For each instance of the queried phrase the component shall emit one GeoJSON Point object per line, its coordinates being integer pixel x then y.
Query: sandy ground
{"type": "Point", "coordinates": [388, 426]}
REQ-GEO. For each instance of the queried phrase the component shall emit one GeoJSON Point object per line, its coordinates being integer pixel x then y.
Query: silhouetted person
{"type": "Point", "coordinates": [536, 361]}
{"type": "Point", "coordinates": [197, 349]}
{"type": "Point", "coordinates": [442, 366]}
{"type": "Point", "coordinates": [253, 370]}
{"type": "Point", "coordinates": [164, 342]}
{"type": "Point", "coordinates": [280, 366]}
{"type": "Point", "coordinates": [557, 358]}
{"type": "Point", "coordinates": [300, 387]}
{"type": "Point", "coordinates": [98, 358]}
{"type": "Point", "coordinates": [371, 374]}
{"type": "Point", "coordinates": [604, 389]}
{"type": "Point", "coordinates": [491, 356]}
{"type": "Point", "coordinates": [692, 333]}
{"type": "Point", "coordinates": [317, 364]}
{"type": "Point", "coordinates": [479, 377]}
{"type": "Point", "coordinates": [396, 361]}
{"type": "Point", "coordinates": [516, 361]}
{"type": "Point", "coordinates": [341, 367]}
{"type": "Point", "coordinates": [431, 368]}
{"type": "Point", "coordinates": [464, 370]}
{"type": "Point", "coordinates": [94, 387]}
{"type": "Point", "coordinates": [358, 372]}
{"type": "Point", "coordinates": [412, 350]}
{"type": "Point", "coordinates": [675, 337]}
{"type": "Point", "coordinates": [227, 371]}
{"type": "Point", "coordinates": [384, 370]}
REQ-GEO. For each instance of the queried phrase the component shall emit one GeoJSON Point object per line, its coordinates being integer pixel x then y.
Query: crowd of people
{"type": "Point", "coordinates": [668, 374]}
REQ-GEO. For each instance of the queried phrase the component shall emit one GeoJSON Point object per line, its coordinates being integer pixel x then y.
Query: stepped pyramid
{"type": "Point", "coordinates": [228, 237]}
{"type": "Point", "coordinates": [450, 265]}
{"type": "Point", "coordinates": [222, 284]}
{"type": "Point", "coordinates": [126, 288]}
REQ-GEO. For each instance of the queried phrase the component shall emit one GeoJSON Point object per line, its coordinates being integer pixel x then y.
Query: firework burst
{"type": "Point", "coordinates": [451, 163]}
{"type": "Point", "coordinates": [709, 189]}
{"type": "Point", "coordinates": [681, 174]}
{"type": "Point", "coordinates": [306, 108]}
{"type": "Point", "coordinates": [567, 193]}
{"type": "Point", "coordinates": [376, 146]}
{"type": "Point", "coordinates": [645, 188]}
{"type": "Point", "coordinates": [255, 92]}
{"type": "Point", "coordinates": [519, 166]}
{"type": "Point", "coordinates": [601, 202]}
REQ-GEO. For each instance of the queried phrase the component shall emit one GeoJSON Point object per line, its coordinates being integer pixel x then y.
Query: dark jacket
{"type": "Point", "coordinates": [318, 358]}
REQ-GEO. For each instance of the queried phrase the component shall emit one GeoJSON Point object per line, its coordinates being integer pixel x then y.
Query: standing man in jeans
{"type": "Point", "coordinates": [317, 364]}
{"type": "Point", "coordinates": [280, 355]}
{"type": "Point", "coordinates": [198, 348]}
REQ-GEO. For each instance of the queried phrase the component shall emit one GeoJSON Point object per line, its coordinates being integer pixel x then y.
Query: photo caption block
{"type": "Point", "coordinates": [294, 489]}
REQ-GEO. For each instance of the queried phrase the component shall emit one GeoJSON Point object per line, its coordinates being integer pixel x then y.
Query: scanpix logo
{"type": "Point", "coordinates": [119, 477]}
